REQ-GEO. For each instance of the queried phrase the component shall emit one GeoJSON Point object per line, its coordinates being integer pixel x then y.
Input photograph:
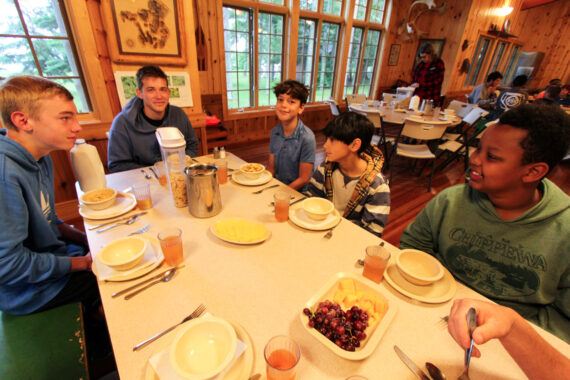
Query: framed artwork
{"type": "Point", "coordinates": [437, 45]}
{"type": "Point", "coordinates": [394, 54]}
{"type": "Point", "coordinates": [178, 82]}
{"type": "Point", "coordinates": [145, 31]}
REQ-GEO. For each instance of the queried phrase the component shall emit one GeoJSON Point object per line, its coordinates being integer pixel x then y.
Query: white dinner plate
{"type": "Point", "coordinates": [213, 229]}
{"type": "Point", "coordinates": [240, 370]}
{"type": "Point", "coordinates": [240, 178]}
{"type": "Point", "coordinates": [125, 202]}
{"type": "Point", "coordinates": [139, 271]}
{"type": "Point", "coordinates": [298, 216]}
{"type": "Point", "coordinates": [438, 292]}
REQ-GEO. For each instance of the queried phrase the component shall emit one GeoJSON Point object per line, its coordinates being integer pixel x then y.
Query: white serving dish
{"type": "Point", "coordinates": [374, 333]}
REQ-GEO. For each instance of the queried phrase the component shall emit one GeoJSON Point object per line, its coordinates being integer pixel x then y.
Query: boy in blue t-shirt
{"type": "Point", "coordinates": [292, 145]}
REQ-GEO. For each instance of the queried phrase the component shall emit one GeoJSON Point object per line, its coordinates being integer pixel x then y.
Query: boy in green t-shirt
{"type": "Point", "coordinates": [506, 233]}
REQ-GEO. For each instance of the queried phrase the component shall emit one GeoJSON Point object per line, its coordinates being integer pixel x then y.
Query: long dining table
{"type": "Point", "coordinates": [262, 288]}
{"type": "Point", "coordinates": [398, 116]}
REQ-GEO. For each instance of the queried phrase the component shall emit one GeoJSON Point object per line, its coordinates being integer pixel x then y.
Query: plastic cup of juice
{"type": "Point", "coordinates": [142, 195]}
{"type": "Point", "coordinates": [222, 165]}
{"type": "Point", "coordinates": [160, 172]}
{"type": "Point", "coordinates": [281, 200]}
{"type": "Point", "coordinates": [282, 354]}
{"type": "Point", "coordinates": [375, 262]}
{"type": "Point", "coordinates": [171, 244]}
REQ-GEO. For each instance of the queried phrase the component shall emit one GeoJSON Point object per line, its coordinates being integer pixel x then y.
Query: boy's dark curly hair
{"type": "Point", "coordinates": [349, 126]}
{"type": "Point", "coordinates": [294, 89]}
{"type": "Point", "coordinates": [548, 128]}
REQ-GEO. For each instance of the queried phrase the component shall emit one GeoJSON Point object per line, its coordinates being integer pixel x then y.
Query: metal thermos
{"type": "Point", "coordinates": [204, 198]}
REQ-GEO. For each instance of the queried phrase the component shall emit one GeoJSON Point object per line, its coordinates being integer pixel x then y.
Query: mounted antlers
{"type": "Point", "coordinates": [407, 29]}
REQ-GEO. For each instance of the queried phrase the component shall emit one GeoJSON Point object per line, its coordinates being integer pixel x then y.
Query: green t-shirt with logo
{"type": "Point", "coordinates": [522, 263]}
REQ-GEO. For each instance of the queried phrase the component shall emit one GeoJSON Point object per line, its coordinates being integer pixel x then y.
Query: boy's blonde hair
{"type": "Point", "coordinates": [24, 93]}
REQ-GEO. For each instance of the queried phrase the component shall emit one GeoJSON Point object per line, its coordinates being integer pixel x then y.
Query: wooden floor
{"type": "Point", "coordinates": [408, 198]}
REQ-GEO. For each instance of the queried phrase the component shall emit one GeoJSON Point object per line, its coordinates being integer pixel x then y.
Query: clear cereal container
{"type": "Point", "coordinates": [172, 148]}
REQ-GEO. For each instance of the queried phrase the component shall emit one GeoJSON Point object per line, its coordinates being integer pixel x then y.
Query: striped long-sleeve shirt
{"type": "Point", "coordinates": [369, 204]}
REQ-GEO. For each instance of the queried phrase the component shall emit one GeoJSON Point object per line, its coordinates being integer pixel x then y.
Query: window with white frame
{"type": "Point", "coordinates": [35, 39]}
{"type": "Point", "coordinates": [256, 36]}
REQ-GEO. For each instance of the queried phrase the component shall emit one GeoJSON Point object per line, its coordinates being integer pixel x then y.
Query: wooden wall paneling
{"type": "Point", "coordinates": [546, 29]}
{"type": "Point", "coordinates": [208, 13]}
{"type": "Point", "coordinates": [99, 33]}
{"type": "Point", "coordinates": [64, 179]}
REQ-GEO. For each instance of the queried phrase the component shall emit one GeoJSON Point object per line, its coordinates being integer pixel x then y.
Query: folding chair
{"type": "Point", "coordinates": [334, 106]}
{"type": "Point", "coordinates": [464, 145]}
{"type": "Point", "coordinates": [424, 132]}
{"type": "Point", "coordinates": [355, 98]}
{"type": "Point", "coordinates": [461, 109]}
{"type": "Point", "coordinates": [389, 98]}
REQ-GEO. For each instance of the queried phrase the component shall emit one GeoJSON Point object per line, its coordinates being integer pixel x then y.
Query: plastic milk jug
{"type": "Point", "coordinates": [87, 166]}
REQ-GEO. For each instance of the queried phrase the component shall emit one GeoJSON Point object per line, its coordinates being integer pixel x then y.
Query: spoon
{"type": "Point", "coordinates": [434, 372]}
{"type": "Point", "coordinates": [167, 276]}
{"type": "Point", "coordinates": [146, 175]}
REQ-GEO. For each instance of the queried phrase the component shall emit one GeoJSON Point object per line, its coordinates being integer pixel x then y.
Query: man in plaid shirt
{"type": "Point", "coordinates": [428, 75]}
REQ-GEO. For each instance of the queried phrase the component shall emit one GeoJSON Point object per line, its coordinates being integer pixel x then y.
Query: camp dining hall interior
{"type": "Point", "coordinates": [284, 189]}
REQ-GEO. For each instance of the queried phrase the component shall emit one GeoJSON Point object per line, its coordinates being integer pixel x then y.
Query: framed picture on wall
{"type": "Point", "coordinates": [394, 54]}
{"type": "Point", "coordinates": [145, 31]}
{"type": "Point", "coordinates": [437, 45]}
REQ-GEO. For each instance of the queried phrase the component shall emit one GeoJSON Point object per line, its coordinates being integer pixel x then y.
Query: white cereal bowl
{"type": "Point", "coordinates": [317, 208]}
{"type": "Point", "coordinates": [252, 170]}
{"type": "Point", "coordinates": [203, 348]}
{"type": "Point", "coordinates": [124, 253]}
{"type": "Point", "coordinates": [99, 199]}
{"type": "Point", "coordinates": [418, 267]}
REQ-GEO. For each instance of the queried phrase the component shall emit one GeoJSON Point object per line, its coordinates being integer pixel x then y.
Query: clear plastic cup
{"type": "Point", "coordinates": [142, 195]}
{"type": "Point", "coordinates": [282, 354]}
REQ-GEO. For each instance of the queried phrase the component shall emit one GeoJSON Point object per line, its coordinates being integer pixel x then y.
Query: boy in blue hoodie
{"type": "Point", "coordinates": [506, 233]}
{"type": "Point", "coordinates": [132, 142]}
{"type": "Point", "coordinates": [41, 264]}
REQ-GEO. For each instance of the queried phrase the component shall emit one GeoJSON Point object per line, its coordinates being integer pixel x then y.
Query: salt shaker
{"type": "Point", "coordinates": [222, 152]}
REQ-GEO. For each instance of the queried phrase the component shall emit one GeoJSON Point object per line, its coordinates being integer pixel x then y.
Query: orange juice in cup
{"type": "Point", "coordinates": [171, 245]}
{"type": "Point", "coordinates": [142, 195]}
{"type": "Point", "coordinates": [222, 171]}
{"type": "Point", "coordinates": [282, 354]}
{"type": "Point", "coordinates": [281, 200]}
{"type": "Point", "coordinates": [375, 263]}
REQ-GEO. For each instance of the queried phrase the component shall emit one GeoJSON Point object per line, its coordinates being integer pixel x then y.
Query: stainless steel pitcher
{"type": "Point", "coordinates": [204, 198]}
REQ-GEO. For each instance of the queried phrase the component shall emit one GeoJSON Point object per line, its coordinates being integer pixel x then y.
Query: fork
{"type": "Point", "coordinates": [471, 323]}
{"type": "Point", "coordinates": [265, 188]}
{"type": "Point", "coordinates": [329, 233]}
{"type": "Point", "coordinates": [142, 230]}
{"type": "Point", "coordinates": [195, 314]}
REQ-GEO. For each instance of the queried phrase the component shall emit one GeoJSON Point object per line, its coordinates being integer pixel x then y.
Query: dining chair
{"type": "Point", "coordinates": [389, 98]}
{"type": "Point", "coordinates": [461, 108]}
{"type": "Point", "coordinates": [465, 144]}
{"type": "Point", "coordinates": [334, 106]}
{"type": "Point", "coordinates": [355, 98]}
{"type": "Point", "coordinates": [425, 133]}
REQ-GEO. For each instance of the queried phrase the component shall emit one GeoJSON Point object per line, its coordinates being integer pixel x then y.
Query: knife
{"type": "Point", "coordinates": [116, 220]}
{"type": "Point", "coordinates": [411, 365]}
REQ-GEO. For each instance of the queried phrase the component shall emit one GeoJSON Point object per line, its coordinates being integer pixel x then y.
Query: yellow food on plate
{"type": "Point", "coordinates": [252, 168]}
{"type": "Point", "coordinates": [99, 195]}
{"type": "Point", "coordinates": [240, 230]}
{"type": "Point", "coordinates": [347, 296]}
